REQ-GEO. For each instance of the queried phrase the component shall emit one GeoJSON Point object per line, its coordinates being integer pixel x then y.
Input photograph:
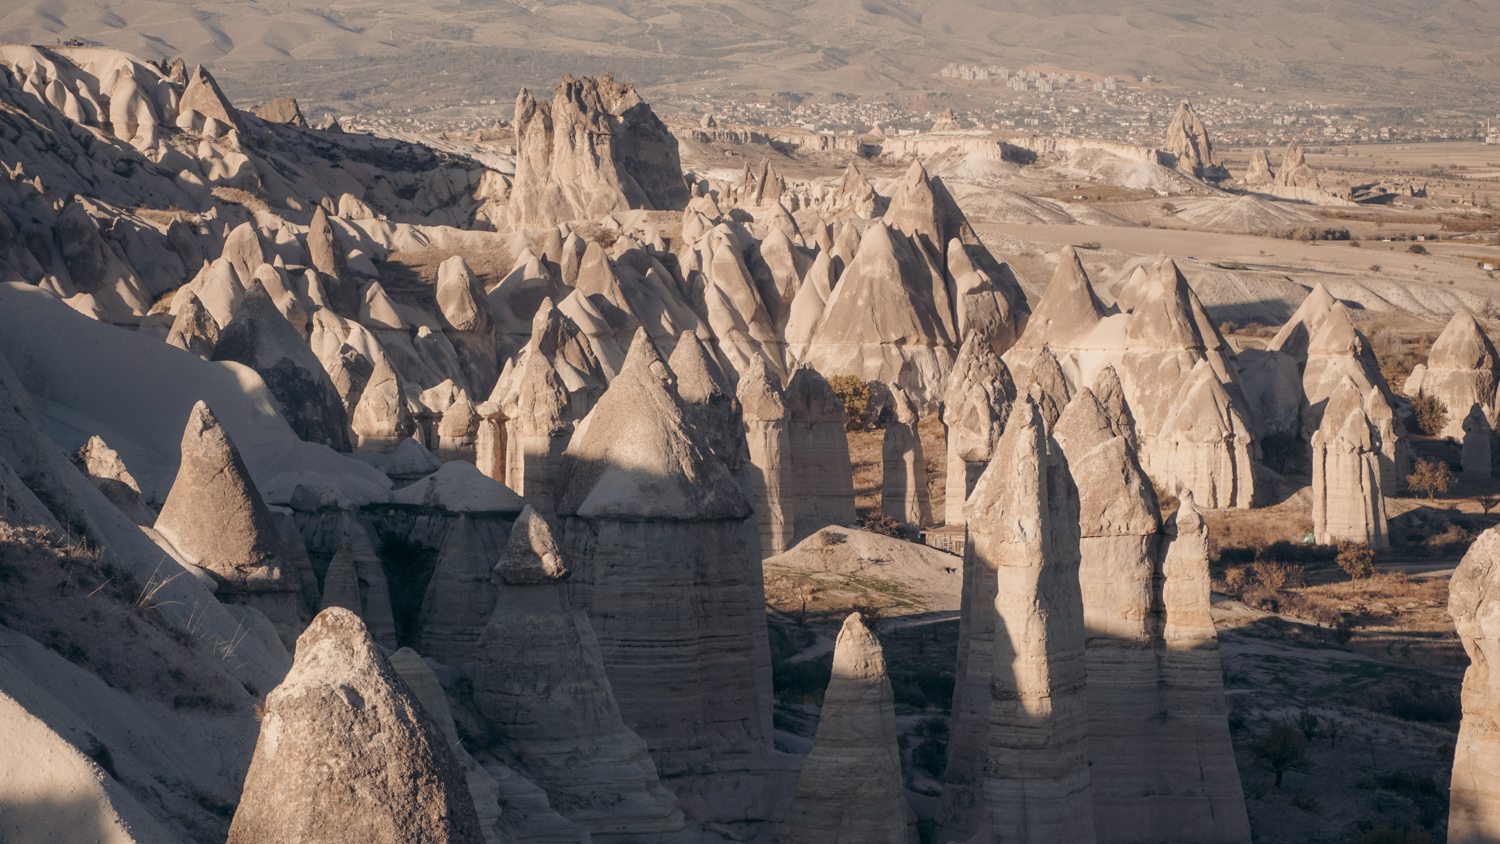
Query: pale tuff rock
{"type": "Point", "coordinates": [459, 594]}
{"type": "Point", "coordinates": [468, 323]}
{"type": "Point", "coordinates": [355, 580]}
{"type": "Point", "coordinates": [108, 473]}
{"type": "Point", "coordinates": [1130, 291]}
{"type": "Point", "coordinates": [282, 110]}
{"type": "Point", "coordinates": [458, 430]}
{"type": "Point", "coordinates": [1195, 756]}
{"type": "Point", "coordinates": [1346, 486]}
{"type": "Point", "coordinates": [428, 691]}
{"type": "Point", "coordinates": [885, 321]}
{"type": "Point", "coordinates": [768, 440]}
{"type": "Point", "coordinates": [855, 194]}
{"type": "Point", "coordinates": [260, 337]}
{"type": "Point", "coordinates": [807, 306]}
{"type": "Point", "coordinates": [515, 301]}
{"type": "Point", "coordinates": [540, 684]}
{"type": "Point", "coordinates": [194, 328]}
{"type": "Point", "coordinates": [215, 518]}
{"type": "Point", "coordinates": [1111, 396]}
{"type": "Point", "coordinates": [821, 489]}
{"type": "Point", "coordinates": [94, 266]}
{"type": "Point", "coordinates": [1069, 309]}
{"type": "Point", "coordinates": [1474, 604]}
{"type": "Point", "coordinates": [599, 306]}
{"type": "Point", "coordinates": [1391, 443]}
{"type": "Point", "coordinates": [724, 294]}
{"type": "Point", "coordinates": [1048, 387]}
{"type": "Point", "coordinates": [1477, 439]}
{"type": "Point", "coordinates": [925, 212]}
{"type": "Point", "coordinates": [904, 494]}
{"type": "Point", "coordinates": [1294, 337]}
{"type": "Point", "coordinates": [850, 790]}
{"type": "Point", "coordinates": [946, 122]}
{"type": "Point", "coordinates": [381, 418]}
{"type": "Point", "coordinates": [347, 753]}
{"type": "Point", "coordinates": [989, 300]}
{"type": "Point", "coordinates": [332, 264]}
{"type": "Point", "coordinates": [1336, 352]}
{"type": "Point", "coordinates": [1024, 522]}
{"type": "Point", "coordinates": [976, 404]}
{"type": "Point", "coordinates": [596, 149]}
{"type": "Point", "coordinates": [1295, 173]}
{"type": "Point", "coordinates": [648, 509]}
{"type": "Point", "coordinates": [1259, 171]}
{"type": "Point", "coordinates": [1187, 138]}
{"type": "Point", "coordinates": [203, 96]}
{"type": "Point", "coordinates": [1204, 445]}
{"type": "Point", "coordinates": [708, 401]}
{"type": "Point", "coordinates": [1462, 371]}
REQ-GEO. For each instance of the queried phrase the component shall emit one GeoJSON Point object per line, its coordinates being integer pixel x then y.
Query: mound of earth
{"type": "Point", "coordinates": [998, 206]}
{"type": "Point", "coordinates": [1240, 215]}
{"type": "Point", "coordinates": [855, 566]}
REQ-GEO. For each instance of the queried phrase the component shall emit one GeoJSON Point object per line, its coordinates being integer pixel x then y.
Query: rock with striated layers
{"type": "Point", "coordinates": [1204, 445]}
{"type": "Point", "coordinates": [1348, 505]}
{"type": "Point", "coordinates": [1462, 371]}
{"type": "Point", "coordinates": [976, 404]}
{"type": "Point", "coordinates": [850, 790]}
{"type": "Point", "coordinates": [215, 518]}
{"type": "Point", "coordinates": [648, 509]}
{"type": "Point", "coordinates": [768, 440]}
{"type": "Point", "coordinates": [1337, 352]}
{"type": "Point", "coordinates": [459, 595]}
{"type": "Point", "coordinates": [540, 684]}
{"type": "Point", "coordinates": [1474, 604]}
{"type": "Point", "coordinates": [821, 489]}
{"type": "Point", "coordinates": [1029, 779]}
{"type": "Point", "coordinates": [1187, 138]}
{"type": "Point", "coordinates": [260, 337]}
{"type": "Point", "coordinates": [903, 494]}
{"type": "Point", "coordinates": [596, 149]}
{"type": "Point", "coordinates": [355, 580]}
{"type": "Point", "coordinates": [708, 401]}
{"type": "Point", "coordinates": [348, 754]}
{"type": "Point", "coordinates": [1200, 799]}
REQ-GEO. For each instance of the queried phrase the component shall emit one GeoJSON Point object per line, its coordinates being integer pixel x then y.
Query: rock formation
{"type": "Point", "coordinates": [976, 404]}
{"type": "Point", "coordinates": [459, 595]}
{"type": "Point", "coordinates": [689, 668]}
{"type": "Point", "coordinates": [821, 487]}
{"type": "Point", "coordinates": [1018, 767]}
{"type": "Point", "coordinates": [1294, 337]}
{"type": "Point", "coordinates": [850, 790]}
{"type": "Point", "coordinates": [468, 323]}
{"type": "Point", "coordinates": [1473, 600]}
{"type": "Point", "coordinates": [540, 683]}
{"type": "Point", "coordinates": [202, 95]}
{"type": "Point", "coordinates": [108, 473]}
{"type": "Point", "coordinates": [1259, 170]}
{"type": "Point", "coordinates": [1187, 138]}
{"type": "Point", "coordinates": [355, 580]}
{"type": "Point", "coordinates": [1294, 171]}
{"type": "Point", "coordinates": [768, 439]}
{"type": "Point", "coordinates": [347, 753]}
{"type": "Point", "coordinates": [1348, 505]}
{"type": "Point", "coordinates": [946, 122]}
{"type": "Point", "coordinates": [260, 337]}
{"type": "Point", "coordinates": [903, 494]}
{"type": "Point", "coordinates": [1337, 352]}
{"type": "Point", "coordinates": [596, 149]}
{"type": "Point", "coordinates": [282, 110]}
{"type": "Point", "coordinates": [1462, 372]}
{"type": "Point", "coordinates": [193, 328]}
{"type": "Point", "coordinates": [215, 518]}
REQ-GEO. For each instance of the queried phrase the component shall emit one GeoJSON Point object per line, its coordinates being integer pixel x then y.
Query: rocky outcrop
{"type": "Point", "coordinates": [821, 489]}
{"type": "Point", "coordinates": [903, 493]}
{"type": "Point", "coordinates": [1348, 505]}
{"type": "Point", "coordinates": [260, 337]}
{"type": "Point", "coordinates": [976, 404]}
{"type": "Point", "coordinates": [348, 754]}
{"type": "Point", "coordinates": [1295, 172]}
{"type": "Point", "coordinates": [355, 580]}
{"type": "Point", "coordinates": [1018, 767]}
{"type": "Point", "coordinates": [202, 95]}
{"type": "Point", "coordinates": [1337, 352]}
{"type": "Point", "coordinates": [332, 265]}
{"type": "Point", "coordinates": [193, 328]}
{"type": "Point", "coordinates": [1294, 337]}
{"type": "Point", "coordinates": [459, 595]}
{"type": "Point", "coordinates": [1200, 798]}
{"type": "Point", "coordinates": [108, 473]}
{"type": "Point", "coordinates": [1462, 372]}
{"type": "Point", "coordinates": [596, 149]}
{"type": "Point", "coordinates": [1259, 170]}
{"type": "Point", "coordinates": [216, 520]}
{"type": "Point", "coordinates": [468, 323]}
{"type": "Point", "coordinates": [1187, 138]}
{"type": "Point", "coordinates": [282, 110]}
{"type": "Point", "coordinates": [1474, 604]}
{"type": "Point", "coordinates": [648, 509]}
{"type": "Point", "coordinates": [850, 790]}
{"type": "Point", "coordinates": [768, 440]}
{"type": "Point", "coordinates": [541, 686]}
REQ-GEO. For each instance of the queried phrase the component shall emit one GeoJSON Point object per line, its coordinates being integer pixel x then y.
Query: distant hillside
{"type": "Point", "coordinates": [372, 52]}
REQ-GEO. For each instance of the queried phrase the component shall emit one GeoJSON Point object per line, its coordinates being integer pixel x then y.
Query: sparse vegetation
{"type": "Point", "coordinates": [1281, 748]}
{"type": "Point", "coordinates": [855, 394]}
{"type": "Point", "coordinates": [882, 524]}
{"type": "Point", "coordinates": [1417, 249]}
{"type": "Point", "coordinates": [1431, 478]}
{"type": "Point", "coordinates": [1357, 561]}
{"type": "Point", "coordinates": [1429, 414]}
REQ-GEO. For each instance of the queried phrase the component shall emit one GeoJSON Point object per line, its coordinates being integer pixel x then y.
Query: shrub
{"type": "Point", "coordinates": [802, 682]}
{"type": "Point", "coordinates": [1277, 576]}
{"type": "Point", "coordinates": [1357, 561]}
{"type": "Point", "coordinates": [1281, 748]}
{"type": "Point", "coordinates": [882, 524]}
{"type": "Point", "coordinates": [1417, 249]}
{"type": "Point", "coordinates": [1236, 579]}
{"type": "Point", "coordinates": [1227, 327]}
{"type": "Point", "coordinates": [1430, 414]}
{"type": "Point", "coordinates": [931, 758]}
{"type": "Point", "coordinates": [855, 394]}
{"type": "Point", "coordinates": [1454, 540]}
{"type": "Point", "coordinates": [1431, 478]}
